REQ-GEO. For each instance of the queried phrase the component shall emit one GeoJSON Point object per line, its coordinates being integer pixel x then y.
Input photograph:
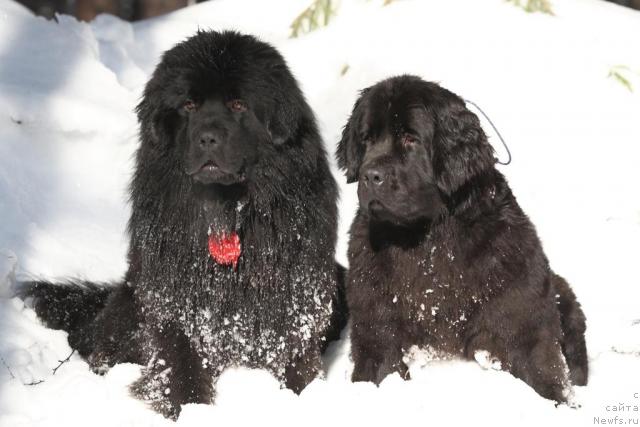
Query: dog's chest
{"type": "Point", "coordinates": [254, 317]}
{"type": "Point", "coordinates": [430, 291]}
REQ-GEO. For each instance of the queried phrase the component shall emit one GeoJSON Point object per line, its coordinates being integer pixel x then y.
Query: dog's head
{"type": "Point", "coordinates": [411, 145]}
{"type": "Point", "coordinates": [216, 103]}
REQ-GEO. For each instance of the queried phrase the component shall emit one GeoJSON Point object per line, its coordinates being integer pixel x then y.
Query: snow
{"type": "Point", "coordinates": [68, 132]}
{"type": "Point", "coordinates": [486, 360]}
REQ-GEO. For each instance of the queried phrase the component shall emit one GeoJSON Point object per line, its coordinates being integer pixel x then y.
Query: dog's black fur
{"type": "Point", "coordinates": [441, 255]}
{"type": "Point", "coordinates": [228, 144]}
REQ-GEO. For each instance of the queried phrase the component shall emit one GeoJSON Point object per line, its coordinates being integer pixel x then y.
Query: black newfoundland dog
{"type": "Point", "coordinates": [232, 232]}
{"type": "Point", "coordinates": [441, 255]}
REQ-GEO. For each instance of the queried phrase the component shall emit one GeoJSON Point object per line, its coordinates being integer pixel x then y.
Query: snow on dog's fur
{"type": "Point", "coordinates": [229, 147]}
{"type": "Point", "coordinates": [441, 254]}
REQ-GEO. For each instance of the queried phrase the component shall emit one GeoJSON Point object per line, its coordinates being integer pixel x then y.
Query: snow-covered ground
{"type": "Point", "coordinates": [68, 132]}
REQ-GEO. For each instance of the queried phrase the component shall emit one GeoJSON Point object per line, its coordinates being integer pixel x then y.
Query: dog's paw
{"type": "Point", "coordinates": [153, 387]}
{"type": "Point", "coordinates": [572, 402]}
{"type": "Point", "coordinates": [102, 359]}
{"type": "Point", "coordinates": [98, 364]}
{"type": "Point", "coordinates": [166, 408]}
{"type": "Point", "coordinates": [487, 361]}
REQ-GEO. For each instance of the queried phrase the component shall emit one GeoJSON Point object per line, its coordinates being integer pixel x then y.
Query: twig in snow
{"type": "Point", "coordinates": [625, 352]}
{"type": "Point", "coordinates": [62, 362]}
{"type": "Point", "coordinates": [35, 382]}
{"type": "Point", "coordinates": [8, 368]}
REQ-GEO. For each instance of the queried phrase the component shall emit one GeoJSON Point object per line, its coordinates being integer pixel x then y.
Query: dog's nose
{"type": "Point", "coordinates": [208, 139]}
{"type": "Point", "coordinates": [373, 176]}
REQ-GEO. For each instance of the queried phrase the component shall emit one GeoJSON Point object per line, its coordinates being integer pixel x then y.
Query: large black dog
{"type": "Point", "coordinates": [441, 255]}
{"type": "Point", "coordinates": [232, 232]}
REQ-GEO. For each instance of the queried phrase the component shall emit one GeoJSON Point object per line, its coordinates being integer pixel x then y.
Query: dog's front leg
{"type": "Point", "coordinates": [176, 374]}
{"type": "Point", "coordinates": [301, 370]}
{"type": "Point", "coordinates": [376, 353]}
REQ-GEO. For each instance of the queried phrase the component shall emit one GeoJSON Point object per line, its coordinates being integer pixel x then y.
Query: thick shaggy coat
{"type": "Point", "coordinates": [229, 153]}
{"type": "Point", "coordinates": [441, 255]}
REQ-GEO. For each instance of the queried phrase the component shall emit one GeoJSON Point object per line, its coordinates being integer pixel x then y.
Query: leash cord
{"type": "Point", "coordinates": [506, 147]}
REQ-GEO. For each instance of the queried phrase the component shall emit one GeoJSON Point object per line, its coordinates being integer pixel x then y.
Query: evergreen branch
{"type": "Point", "coordinates": [318, 14]}
{"type": "Point", "coordinates": [531, 6]}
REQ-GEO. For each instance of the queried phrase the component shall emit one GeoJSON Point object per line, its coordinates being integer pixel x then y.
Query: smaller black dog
{"type": "Point", "coordinates": [441, 255]}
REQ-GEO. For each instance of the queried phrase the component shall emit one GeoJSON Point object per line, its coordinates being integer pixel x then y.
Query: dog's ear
{"type": "Point", "coordinates": [155, 117]}
{"type": "Point", "coordinates": [461, 150]}
{"type": "Point", "coordinates": [278, 129]}
{"type": "Point", "coordinates": [146, 119]}
{"type": "Point", "coordinates": [287, 114]}
{"type": "Point", "coordinates": [350, 148]}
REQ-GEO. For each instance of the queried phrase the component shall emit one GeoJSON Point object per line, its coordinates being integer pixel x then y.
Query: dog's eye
{"type": "Point", "coordinates": [237, 106]}
{"type": "Point", "coordinates": [408, 140]}
{"type": "Point", "coordinates": [189, 106]}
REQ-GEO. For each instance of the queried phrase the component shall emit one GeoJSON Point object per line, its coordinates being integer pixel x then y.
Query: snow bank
{"type": "Point", "coordinates": [67, 134]}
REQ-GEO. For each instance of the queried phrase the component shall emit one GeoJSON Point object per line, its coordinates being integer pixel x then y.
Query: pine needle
{"type": "Point", "coordinates": [618, 72]}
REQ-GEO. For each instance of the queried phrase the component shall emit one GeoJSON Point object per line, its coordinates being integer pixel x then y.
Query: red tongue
{"type": "Point", "coordinates": [225, 249]}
